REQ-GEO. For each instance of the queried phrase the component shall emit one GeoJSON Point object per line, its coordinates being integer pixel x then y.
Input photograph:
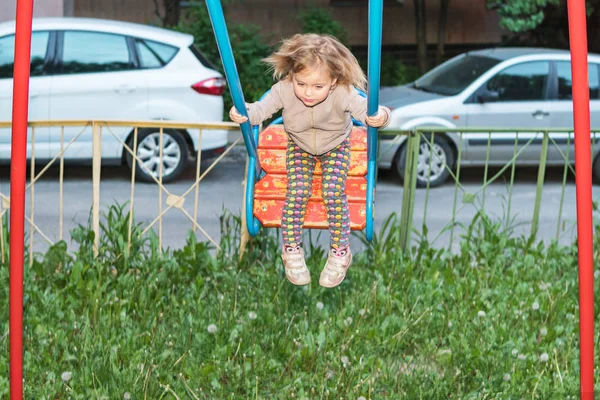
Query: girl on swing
{"type": "Point", "coordinates": [316, 79]}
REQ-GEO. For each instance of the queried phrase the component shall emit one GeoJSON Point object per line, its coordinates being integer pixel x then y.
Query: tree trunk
{"type": "Point", "coordinates": [439, 54]}
{"type": "Point", "coordinates": [172, 13]}
{"type": "Point", "coordinates": [593, 28]}
{"type": "Point", "coordinates": [421, 35]}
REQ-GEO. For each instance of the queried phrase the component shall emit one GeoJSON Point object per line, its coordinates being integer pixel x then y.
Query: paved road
{"type": "Point", "coordinates": [222, 189]}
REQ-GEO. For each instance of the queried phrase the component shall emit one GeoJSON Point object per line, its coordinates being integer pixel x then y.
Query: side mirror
{"type": "Point", "coordinates": [488, 96]}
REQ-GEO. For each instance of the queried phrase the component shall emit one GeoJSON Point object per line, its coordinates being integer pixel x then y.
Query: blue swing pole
{"type": "Point", "coordinates": [374, 71]}
{"type": "Point", "coordinates": [217, 19]}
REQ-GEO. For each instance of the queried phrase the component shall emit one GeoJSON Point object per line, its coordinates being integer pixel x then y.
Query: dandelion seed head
{"type": "Point", "coordinates": [126, 396]}
{"type": "Point", "coordinates": [362, 312]}
{"type": "Point", "coordinates": [481, 314]}
{"type": "Point", "coordinates": [320, 305]}
{"type": "Point", "coordinates": [252, 315]}
{"type": "Point", "coordinates": [543, 331]}
{"type": "Point", "coordinates": [544, 357]}
{"type": "Point", "coordinates": [506, 377]}
{"type": "Point", "coordinates": [535, 306]}
{"type": "Point", "coordinates": [212, 328]}
{"type": "Point", "coordinates": [345, 360]}
{"type": "Point", "coordinates": [515, 352]}
{"type": "Point", "coordinates": [330, 374]}
{"type": "Point", "coordinates": [66, 376]}
{"type": "Point", "coordinates": [521, 357]}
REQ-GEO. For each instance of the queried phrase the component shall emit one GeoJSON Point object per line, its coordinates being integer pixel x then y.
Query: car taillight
{"type": "Point", "coordinates": [214, 86]}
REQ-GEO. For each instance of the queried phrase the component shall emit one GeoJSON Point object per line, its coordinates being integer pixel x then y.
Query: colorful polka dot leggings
{"type": "Point", "coordinates": [300, 168]}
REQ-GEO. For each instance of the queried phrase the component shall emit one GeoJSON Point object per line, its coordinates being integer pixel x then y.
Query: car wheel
{"type": "Point", "coordinates": [437, 156]}
{"type": "Point", "coordinates": [175, 155]}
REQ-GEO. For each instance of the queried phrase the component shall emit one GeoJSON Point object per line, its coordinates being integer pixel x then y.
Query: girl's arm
{"type": "Point", "coordinates": [357, 106]}
{"type": "Point", "coordinates": [263, 109]}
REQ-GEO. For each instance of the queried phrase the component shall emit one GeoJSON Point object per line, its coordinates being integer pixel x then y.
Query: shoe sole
{"type": "Point", "coordinates": [298, 283]}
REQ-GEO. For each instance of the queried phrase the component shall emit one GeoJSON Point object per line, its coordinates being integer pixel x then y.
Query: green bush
{"type": "Point", "coordinates": [394, 72]}
{"type": "Point", "coordinates": [248, 46]}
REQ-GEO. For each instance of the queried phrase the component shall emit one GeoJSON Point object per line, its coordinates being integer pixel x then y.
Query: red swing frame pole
{"type": "Point", "coordinates": [17, 191]}
{"type": "Point", "coordinates": [583, 182]}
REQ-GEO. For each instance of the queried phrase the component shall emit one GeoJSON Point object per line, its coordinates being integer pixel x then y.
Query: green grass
{"type": "Point", "coordinates": [426, 324]}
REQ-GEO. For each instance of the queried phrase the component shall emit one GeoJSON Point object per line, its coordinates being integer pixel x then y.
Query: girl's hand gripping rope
{"type": "Point", "coordinates": [377, 120]}
{"type": "Point", "coordinates": [236, 116]}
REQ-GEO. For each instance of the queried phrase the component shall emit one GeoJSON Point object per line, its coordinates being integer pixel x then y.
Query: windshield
{"type": "Point", "coordinates": [453, 77]}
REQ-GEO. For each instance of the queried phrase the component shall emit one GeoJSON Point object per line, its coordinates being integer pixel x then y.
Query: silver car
{"type": "Point", "coordinates": [520, 88]}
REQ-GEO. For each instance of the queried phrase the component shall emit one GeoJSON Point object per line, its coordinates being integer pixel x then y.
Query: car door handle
{"type": "Point", "coordinates": [540, 114]}
{"type": "Point", "coordinates": [125, 88]}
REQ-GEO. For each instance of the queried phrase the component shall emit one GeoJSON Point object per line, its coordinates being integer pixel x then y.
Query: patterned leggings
{"type": "Point", "coordinates": [300, 168]}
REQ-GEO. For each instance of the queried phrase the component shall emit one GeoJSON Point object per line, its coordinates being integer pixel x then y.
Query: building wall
{"type": "Point", "coordinates": [141, 11]}
{"type": "Point", "coordinates": [41, 8]}
{"type": "Point", "coordinates": [468, 21]}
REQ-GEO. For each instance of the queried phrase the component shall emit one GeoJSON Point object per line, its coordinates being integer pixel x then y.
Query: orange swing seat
{"type": "Point", "coordinates": [270, 190]}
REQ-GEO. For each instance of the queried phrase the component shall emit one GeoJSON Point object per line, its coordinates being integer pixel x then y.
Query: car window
{"type": "Point", "coordinates": [522, 82]}
{"type": "Point", "coordinates": [455, 75]}
{"type": "Point", "coordinates": [154, 54]}
{"type": "Point", "coordinates": [200, 57]}
{"type": "Point", "coordinates": [565, 83]}
{"type": "Point", "coordinates": [85, 52]}
{"type": "Point", "coordinates": [39, 46]}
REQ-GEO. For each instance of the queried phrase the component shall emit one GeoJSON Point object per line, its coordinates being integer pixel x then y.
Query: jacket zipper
{"type": "Point", "coordinates": [312, 125]}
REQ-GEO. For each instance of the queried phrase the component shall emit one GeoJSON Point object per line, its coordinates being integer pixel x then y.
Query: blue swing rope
{"type": "Point", "coordinates": [374, 71]}
{"type": "Point", "coordinates": [217, 18]}
{"type": "Point", "coordinates": [250, 134]}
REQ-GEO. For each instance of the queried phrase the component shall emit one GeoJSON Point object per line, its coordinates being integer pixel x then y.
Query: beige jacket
{"type": "Point", "coordinates": [317, 129]}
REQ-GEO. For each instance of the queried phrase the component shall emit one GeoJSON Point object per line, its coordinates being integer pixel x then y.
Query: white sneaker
{"type": "Point", "coordinates": [336, 267]}
{"type": "Point", "coordinates": [295, 266]}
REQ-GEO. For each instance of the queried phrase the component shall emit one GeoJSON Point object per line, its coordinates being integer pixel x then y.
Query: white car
{"type": "Point", "coordinates": [85, 69]}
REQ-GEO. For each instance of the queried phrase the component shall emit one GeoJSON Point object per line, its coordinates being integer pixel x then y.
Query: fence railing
{"type": "Point", "coordinates": [531, 147]}
{"type": "Point", "coordinates": [98, 128]}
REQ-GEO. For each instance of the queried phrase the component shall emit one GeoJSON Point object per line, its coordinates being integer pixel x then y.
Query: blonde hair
{"type": "Point", "coordinates": [309, 50]}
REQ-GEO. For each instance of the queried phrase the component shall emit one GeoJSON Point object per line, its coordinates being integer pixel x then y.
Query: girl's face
{"type": "Point", "coordinates": [312, 85]}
